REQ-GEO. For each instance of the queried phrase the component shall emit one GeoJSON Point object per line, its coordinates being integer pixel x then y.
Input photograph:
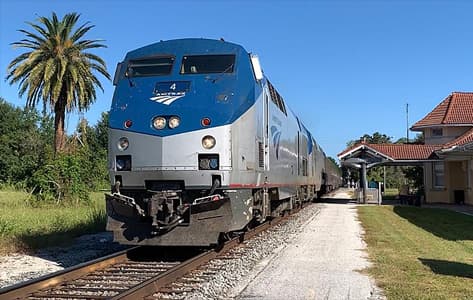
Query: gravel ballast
{"type": "Point", "coordinates": [16, 268]}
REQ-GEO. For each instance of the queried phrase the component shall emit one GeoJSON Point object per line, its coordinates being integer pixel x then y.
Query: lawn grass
{"type": "Point", "coordinates": [24, 227]}
{"type": "Point", "coordinates": [419, 253]}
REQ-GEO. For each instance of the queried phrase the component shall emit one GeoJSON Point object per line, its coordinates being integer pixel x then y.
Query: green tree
{"type": "Point", "coordinates": [419, 139]}
{"type": "Point", "coordinates": [23, 145]}
{"type": "Point", "coordinates": [378, 138]}
{"type": "Point", "coordinates": [57, 69]}
{"type": "Point", "coordinates": [375, 138]}
{"type": "Point", "coordinates": [94, 141]}
{"type": "Point", "coordinates": [97, 136]}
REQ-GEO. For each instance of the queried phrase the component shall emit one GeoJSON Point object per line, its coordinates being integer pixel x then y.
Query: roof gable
{"type": "Point", "coordinates": [456, 109]}
{"type": "Point", "coordinates": [465, 138]}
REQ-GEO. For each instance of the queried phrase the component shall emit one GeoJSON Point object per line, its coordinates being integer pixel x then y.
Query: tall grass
{"type": "Point", "coordinates": [26, 226]}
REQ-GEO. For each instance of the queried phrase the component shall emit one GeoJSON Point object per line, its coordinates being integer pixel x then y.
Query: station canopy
{"type": "Point", "coordinates": [388, 154]}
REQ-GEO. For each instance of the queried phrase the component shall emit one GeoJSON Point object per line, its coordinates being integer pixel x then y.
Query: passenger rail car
{"type": "Point", "coordinates": [332, 176]}
{"type": "Point", "coordinates": [201, 144]}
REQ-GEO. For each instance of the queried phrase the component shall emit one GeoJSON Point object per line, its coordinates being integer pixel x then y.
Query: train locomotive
{"type": "Point", "coordinates": [201, 145]}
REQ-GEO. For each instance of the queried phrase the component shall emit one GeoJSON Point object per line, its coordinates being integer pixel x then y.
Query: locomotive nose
{"type": "Point", "coordinates": [139, 157]}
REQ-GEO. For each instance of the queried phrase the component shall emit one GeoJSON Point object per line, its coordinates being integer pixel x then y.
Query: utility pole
{"type": "Point", "coordinates": [384, 177]}
{"type": "Point", "coordinates": [407, 122]}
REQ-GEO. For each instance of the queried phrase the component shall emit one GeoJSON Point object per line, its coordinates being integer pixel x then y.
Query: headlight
{"type": "Point", "coordinates": [123, 162]}
{"type": "Point", "coordinates": [174, 122]}
{"type": "Point", "coordinates": [208, 142]}
{"type": "Point", "coordinates": [123, 144]}
{"type": "Point", "coordinates": [159, 122]}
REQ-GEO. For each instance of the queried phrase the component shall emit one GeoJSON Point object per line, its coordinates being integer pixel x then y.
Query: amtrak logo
{"type": "Point", "coordinates": [167, 98]}
{"type": "Point", "coordinates": [168, 92]}
{"type": "Point", "coordinates": [276, 137]}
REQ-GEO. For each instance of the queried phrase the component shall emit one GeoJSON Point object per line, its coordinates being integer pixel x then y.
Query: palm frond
{"type": "Point", "coordinates": [81, 31]}
{"type": "Point", "coordinates": [36, 38]}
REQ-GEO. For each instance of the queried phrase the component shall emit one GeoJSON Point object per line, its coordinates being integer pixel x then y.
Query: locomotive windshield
{"type": "Point", "coordinates": [204, 64]}
{"type": "Point", "coordinates": [150, 66]}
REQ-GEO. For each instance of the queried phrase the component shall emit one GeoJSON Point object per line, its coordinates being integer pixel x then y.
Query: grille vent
{"type": "Point", "coordinates": [261, 154]}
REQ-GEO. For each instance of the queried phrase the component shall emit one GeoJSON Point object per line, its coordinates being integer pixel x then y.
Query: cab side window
{"type": "Point", "coordinates": [276, 98]}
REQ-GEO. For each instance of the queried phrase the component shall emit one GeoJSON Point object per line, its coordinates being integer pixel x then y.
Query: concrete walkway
{"type": "Point", "coordinates": [323, 262]}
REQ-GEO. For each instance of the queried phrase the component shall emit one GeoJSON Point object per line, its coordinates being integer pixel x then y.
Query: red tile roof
{"type": "Point", "coordinates": [467, 137]}
{"type": "Point", "coordinates": [397, 151]}
{"type": "Point", "coordinates": [410, 151]}
{"type": "Point", "coordinates": [406, 151]}
{"type": "Point", "coordinates": [456, 109]}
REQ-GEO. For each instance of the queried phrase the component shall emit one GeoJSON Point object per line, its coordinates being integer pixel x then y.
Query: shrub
{"type": "Point", "coordinates": [63, 178]}
{"type": "Point", "coordinates": [28, 162]}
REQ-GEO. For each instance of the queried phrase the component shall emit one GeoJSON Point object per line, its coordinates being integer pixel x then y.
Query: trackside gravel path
{"type": "Point", "coordinates": [323, 262]}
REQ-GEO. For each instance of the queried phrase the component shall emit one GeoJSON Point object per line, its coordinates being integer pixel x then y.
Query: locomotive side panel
{"type": "Point", "coordinates": [283, 152]}
{"type": "Point", "coordinates": [244, 150]}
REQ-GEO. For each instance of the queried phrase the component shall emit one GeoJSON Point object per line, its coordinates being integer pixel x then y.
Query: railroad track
{"type": "Point", "coordinates": [121, 276]}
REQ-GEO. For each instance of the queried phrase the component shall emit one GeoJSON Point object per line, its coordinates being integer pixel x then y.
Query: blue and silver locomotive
{"type": "Point", "coordinates": [201, 144]}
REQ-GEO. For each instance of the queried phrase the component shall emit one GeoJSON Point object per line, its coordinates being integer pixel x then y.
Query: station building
{"type": "Point", "coordinates": [446, 155]}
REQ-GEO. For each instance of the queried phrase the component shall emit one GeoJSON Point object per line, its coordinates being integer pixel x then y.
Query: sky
{"type": "Point", "coordinates": [346, 68]}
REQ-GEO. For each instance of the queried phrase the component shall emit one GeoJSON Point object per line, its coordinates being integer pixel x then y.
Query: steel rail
{"type": "Point", "coordinates": [139, 291]}
{"type": "Point", "coordinates": [23, 289]}
{"type": "Point", "coordinates": [152, 285]}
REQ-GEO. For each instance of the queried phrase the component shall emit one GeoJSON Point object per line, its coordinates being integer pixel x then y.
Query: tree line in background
{"type": "Point", "coordinates": [396, 176]}
{"type": "Point", "coordinates": [28, 160]}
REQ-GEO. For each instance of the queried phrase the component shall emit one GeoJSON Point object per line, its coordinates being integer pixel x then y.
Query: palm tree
{"type": "Point", "coordinates": [57, 69]}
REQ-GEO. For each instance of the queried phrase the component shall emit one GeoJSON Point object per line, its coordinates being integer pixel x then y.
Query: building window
{"type": "Point", "coordinates": [437, 132]}
{"type": "Point", "coordinates": [438, 174]}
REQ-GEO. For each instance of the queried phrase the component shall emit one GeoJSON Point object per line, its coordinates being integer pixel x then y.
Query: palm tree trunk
{"type": "Point", "coordinates": [59, 116]}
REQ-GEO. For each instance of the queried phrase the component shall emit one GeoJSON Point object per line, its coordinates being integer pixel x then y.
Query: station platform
{"type": "Point", "coordinates": [323, 262]}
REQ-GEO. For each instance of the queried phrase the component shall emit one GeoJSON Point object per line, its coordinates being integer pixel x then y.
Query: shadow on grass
{"type": "Point", "coordinates": [443, 223]}
{"type": "Point", "coordinates": [60, 235]}
{"type": "Point", "coordinates": [450, 268]}
{"type": "Point", "coordinates": [68, 247]}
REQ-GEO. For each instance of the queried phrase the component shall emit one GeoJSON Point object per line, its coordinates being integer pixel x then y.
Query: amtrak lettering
{"type": "Point", "coordinates": [167, 98]}
{"type": "Point", "coordinates": [169, 91]}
